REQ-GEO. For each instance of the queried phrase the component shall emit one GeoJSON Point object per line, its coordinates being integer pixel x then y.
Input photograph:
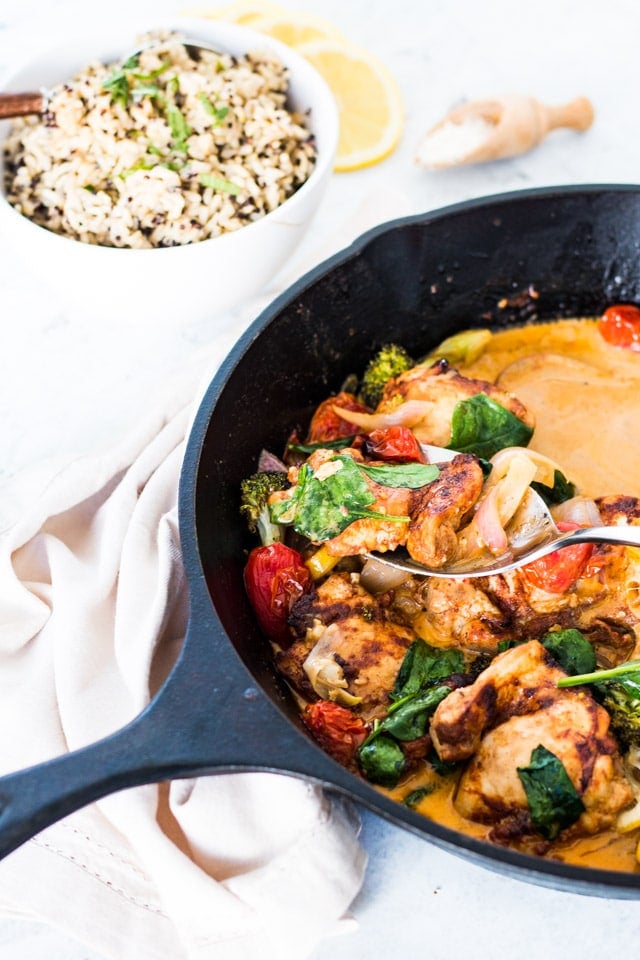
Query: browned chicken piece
{"type": "Point", "coordinates": [442, 387]}
{"type": "Point", "coordinates": [576, 730]}
{"type": "Point", "coordinates": [439, 509]}
{"type": "Point", "coordinates": [456, 613]}
{"type": "Point", "coordinates": [348, 651]}
{"type": "Point", "coordinates": [619, 509]}
{"type": "Point", "coordinates": [517, 681]}
{"type": "Point", "coordinates": [424, 398]}
{"type": "Point", "coordinates": [498, 721]}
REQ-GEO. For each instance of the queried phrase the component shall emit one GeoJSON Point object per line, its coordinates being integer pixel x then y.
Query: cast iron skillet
{"type": "Point", "coordinates": [498, 261]}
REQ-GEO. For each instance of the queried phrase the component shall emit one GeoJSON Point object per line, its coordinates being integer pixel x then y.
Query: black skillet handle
{"type": "Point", "coordinates": [194, 726]}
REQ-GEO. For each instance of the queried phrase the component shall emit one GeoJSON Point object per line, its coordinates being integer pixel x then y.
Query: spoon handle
{"type": "Point", "coordinates": [20, 104]}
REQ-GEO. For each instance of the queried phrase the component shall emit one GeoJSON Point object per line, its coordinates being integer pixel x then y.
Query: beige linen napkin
{"type": "Point", "coordinates": [92, 612]}
{"type": "Point", "coordinates": [93, 592]}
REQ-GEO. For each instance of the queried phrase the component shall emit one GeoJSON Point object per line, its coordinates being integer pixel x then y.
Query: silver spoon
{"type": "Point", "coordinates": [531, 533]}
{"type": "Point", "coordinates": [37, 101]}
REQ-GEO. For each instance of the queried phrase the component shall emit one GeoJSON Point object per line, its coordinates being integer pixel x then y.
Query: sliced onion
{"type": "Point", "coordinates": [377, 577]}
{"type": "Point", "coordinates": [500, 500]}
{"type": "Point", "coordinates": [488, 524]}
{"type": "Point", "coordinates": [324, 672]}
{"type": "Point", "coordinates": [545, 467]}
{"type": "Point", "coordinates": [581, 510]}
{"type": "Point", "coordinates": [405, 414]}
{"type": "Point", "coordinates": [269, 463]}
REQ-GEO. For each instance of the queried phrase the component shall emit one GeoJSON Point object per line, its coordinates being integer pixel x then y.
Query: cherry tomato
{"type": "Point", "coordinates": [275, 577]}
{"type": "Point", "coordinates": [620, 326]}
{"type": "Point", "coordinates": [337, 730]}
{"type": "Point", "coordinates": [327, 425]}
{"type": "Point", "coordinates": [397, 444]}
{"type": "Point", "coordinates": [558, 571]}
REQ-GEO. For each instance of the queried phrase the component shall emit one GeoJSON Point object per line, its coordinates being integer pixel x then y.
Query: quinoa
{"type": "Point", "coordinates": [160, 150]}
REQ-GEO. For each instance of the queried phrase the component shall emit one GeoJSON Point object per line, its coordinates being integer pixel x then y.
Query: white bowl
{"type": "Point", "coordinates": [171, 284]}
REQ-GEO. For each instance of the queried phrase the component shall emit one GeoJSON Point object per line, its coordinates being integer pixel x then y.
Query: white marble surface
{"type": "Point", "coordinates": [68, 385]}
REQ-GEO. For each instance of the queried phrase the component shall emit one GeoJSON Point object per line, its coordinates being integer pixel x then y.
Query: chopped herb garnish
{"type": "Point", "coordinates": [180, 129]}
{"type": "Point", "coordinates": [117, 83]}
{"type": "Point", "coordinates": [219, 183]}
{"type": "Point", "coordinates": [218, 113]}
{"type": "Point", "coordinates": [141, 90]}
{"type": "Point", "coordinates": [140, 165]}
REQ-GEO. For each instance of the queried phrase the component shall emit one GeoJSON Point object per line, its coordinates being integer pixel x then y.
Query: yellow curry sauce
{"type": "Point", "coordinates": [585, 396]}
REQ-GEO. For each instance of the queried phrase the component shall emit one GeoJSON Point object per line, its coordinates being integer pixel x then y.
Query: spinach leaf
{"type": "Point", "coordinates": [411, 475]}
{"type": "Point", "coordinates": [413, 798]}
{"type": "Point", "coordinates": [337, 444]}
{"type": "Point", "coordinates": [382, 761]}
{"type": "Point", "coordinates": [408, 719]}
{"type": "Point", "coordinates": [480, 425]}
{"type": "Point", "coordinates": [554, 803]}
{"type": "Point", "coordinates": [571, 649]}
{"type": "Point", "coordinates": [561, 490]}
{"type": "Point", "coordinates": [422, 664]}
{"type": "Point", "coordinates": [322, 507]}
{"type": "Point", "coordinates": [416, 694]}
{"type": "Point", "coordinates": [504, 645]}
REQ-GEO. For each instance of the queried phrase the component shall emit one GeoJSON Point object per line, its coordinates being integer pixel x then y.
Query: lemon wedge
{"type": "Point", "coordinates": [368, 98]}
{"type": "Point", "coordinates": [297, 29]}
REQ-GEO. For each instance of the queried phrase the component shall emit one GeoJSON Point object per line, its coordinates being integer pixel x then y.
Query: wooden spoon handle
{"type": "Point", "coordinates": [577, 114]}
{"type": "Point", "coordinates": [20, 104]}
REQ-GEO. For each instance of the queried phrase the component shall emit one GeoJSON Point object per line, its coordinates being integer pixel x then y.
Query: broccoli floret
{"type": "Point", "coordinates": [254, 494]}
{"type": "Point", "coordinates": [390, 361]}
{"type": "Point", "coordinates": [621, 699]}
{"type": "Point", "coordinates": [618, 690]}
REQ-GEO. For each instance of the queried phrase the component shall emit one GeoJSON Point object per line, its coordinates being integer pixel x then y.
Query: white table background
{"type": "Point", "coordinates": [68, 385]}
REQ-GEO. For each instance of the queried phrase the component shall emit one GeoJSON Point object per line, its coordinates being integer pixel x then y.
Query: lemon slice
{"type": "Point", "coordinates": [369, 102]}
{"type": "Point", "coordinates": [244, 12]}
{"type": "Point", "coordinates": [297, 28]}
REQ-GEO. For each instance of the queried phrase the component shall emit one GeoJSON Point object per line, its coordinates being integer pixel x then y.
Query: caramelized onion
{"type": "Point", "coordinates": [405, 414]}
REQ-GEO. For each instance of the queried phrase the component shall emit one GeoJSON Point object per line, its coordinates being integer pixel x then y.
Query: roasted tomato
{"type": "Point", "coordinates": [396, 444]}
{"type": "Point", "coordinates": [275, 577]}
{"type": "Point", "coordinates": [558, 571]}
{"type": "Point", "coordinates": [620, 326]}
{"type": "Point", "coordinates": [337, 730]}
{"type": "Point", "coordinates": [327, 425]}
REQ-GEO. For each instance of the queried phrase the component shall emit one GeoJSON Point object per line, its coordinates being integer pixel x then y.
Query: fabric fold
{"type": "Point", "coordinates": [93, 610]}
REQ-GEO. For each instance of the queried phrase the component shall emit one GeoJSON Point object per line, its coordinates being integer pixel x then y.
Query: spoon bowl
{"type": "Point", "coordinates": [531, 534]}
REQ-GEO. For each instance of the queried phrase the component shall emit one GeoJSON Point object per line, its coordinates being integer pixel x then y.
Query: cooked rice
{"type": "Point", "coordinates": [164, 151]}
